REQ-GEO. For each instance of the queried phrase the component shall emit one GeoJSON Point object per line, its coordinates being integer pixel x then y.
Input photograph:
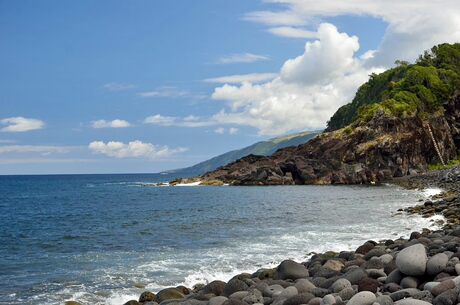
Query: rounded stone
{"type": "Point", "coordinates": [368, 284]}
{"type": "Point", "coordinates": [215, 287]}
{"type": "Point", "coordinates": [339, 285]}
{"type": "Point", "coordinates": [384, 300]}
{"type": "Point", "coordinates": [394, 277]}
{"type": "Point", "coordinates": [219, 300]}
{"type": "Point", "coordinates": [386, 258]}
{"type": "Point", "coordinates": [443, 286]}
{"type": "Point", "coordinates": [448, 297]}
{"type": "Point", "coordinates": [411, 301]}
{"type": "Point", "coordinates": [233, 286]}
{"type": "Point", "coordinates": [146, 296]}
{"type": "Point", "coordinates": [273, 290]}
{"type": "Point", "coordinates": [409, 282]}
{"type": "Point", "coordinates": [328, 300]}
{"type": "Point", "coordinates": [333, 265]}
{"type": "Point", "coordinates": [131, 302]}
{"type": "Point", "coordinates": [303, 298]}
{"type": "Point", "coordinates": [412, 260]}
{"type": "Point", "coordinates": [239, 295]}
{"type": "Point", "coordinates": [437, 263]}
{"type": "Point", "coordinates": [304, 285]}
{"type": "Point", "coordinates": [234, 302]}
{"type": "Point", "coordinates": [72, 303]}
{"type": "Point", "coordinates": [169, 294]}
{"type": "Point", "coordinates": [288, 292]}
{"type": "Point", "coordinates": [289, 269]}
{"type": "Point", "coordinates": [347, 293]}
{"type": "Point", "coordinates": [355, 275]}
{"type": "Point", "coordinates": [362, 298]}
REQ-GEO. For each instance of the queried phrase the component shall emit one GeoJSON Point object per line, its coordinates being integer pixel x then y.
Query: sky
{"type": "Point", "coordinates": [146, 86]}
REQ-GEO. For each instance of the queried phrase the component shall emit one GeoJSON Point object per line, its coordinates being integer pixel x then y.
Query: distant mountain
{"type": "Point", "coordinates": [263, 148]}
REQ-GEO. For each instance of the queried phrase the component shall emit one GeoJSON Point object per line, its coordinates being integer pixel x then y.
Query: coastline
{"type": "Point", "coordinates": [365, 276]}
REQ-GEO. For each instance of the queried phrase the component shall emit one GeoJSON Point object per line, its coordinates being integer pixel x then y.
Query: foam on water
{"type": "Point", "coordinates": [197, 235]}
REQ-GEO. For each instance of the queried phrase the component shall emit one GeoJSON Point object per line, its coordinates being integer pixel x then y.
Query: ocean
{"type": "Point", "coordinates": [104, 239]}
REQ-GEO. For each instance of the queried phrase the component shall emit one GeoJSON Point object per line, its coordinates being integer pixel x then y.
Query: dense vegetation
{"type": "Point", "coordinates": [408, 90]}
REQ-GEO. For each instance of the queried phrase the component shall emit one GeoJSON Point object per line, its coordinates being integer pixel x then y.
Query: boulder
{"type": "Point", "coordinates": [233, 286]}
{"type": "Point", "coordinates": [288, 292]}
{"type": "Point", "coordinates": [409, 282]}
{"type": "Point", "coordinates": [289, 269]}
{"type": "Point", "coordinates": [169, 294]}
{"type": "Point", "coordinates": [219, 300]}
{"type": "Point", "coordinates": [355, 275]}
{"type": "Point", "coordinates": [254, 296]}
{"type": "Point", "coordinates": [215, 287]}
{"type": "Point", "coordinates": [412, 260]}
{"type": "Point", "coordinates": [362, 298]}
{"type": "Point", "coordinates": [328, 300]}
{"type": "Point", "coordinates": [448, 297]}
{"type": "Point", "coordinates": [411, 301]}
{"type": "Point", "coordinates": [437, 263]}
{"type": "Point", "coordinates": [304, 285]}
{"type": "Point", "coordinates": [347, 293]}
{"type": "Point", "coordinates": [234, 302]}
{"type": "Point", "coordinates": [339, 285]}
{"type": "Point", "coordinates": [131, 302]}
{"type": "Point", "coordinates": [368, 284]}
{"type": "Point", "coordinates": [442, 287]}
{"type": "Point", "coordinates": [384, 300]}
{"type": "Point", "coordinates": [299, 299]}
{"type": "Point", "coordinates": [394, 277]}
{"type": "Point", "coordinates": [333, 265]}
{"type": "Point", "coordinates": [146, 296]}
{"type": "Point", "coordinates": [238, 295]}
{"type": "Point", "coordinates": [273, 290]}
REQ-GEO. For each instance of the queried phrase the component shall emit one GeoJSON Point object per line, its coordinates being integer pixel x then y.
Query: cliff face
{"type": "Point", "coordinates": [380, 149]}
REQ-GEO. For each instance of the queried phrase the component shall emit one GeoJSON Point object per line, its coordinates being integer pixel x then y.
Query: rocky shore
{"type": "Point", "coordinates": [421, 269]}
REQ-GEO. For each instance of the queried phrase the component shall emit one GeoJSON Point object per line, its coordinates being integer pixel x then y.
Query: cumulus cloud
{"type": "Point", "coordinates": [118, 86]}
{"type": "Point", "coordinates": [133, 149]}
{"type": "Point", "coordinates": [242, 58]}
{"type": "Point", "coordinates": [220, 130]}
{"type": "Point", "coordinates": [241, 78]}
{"type": "Point", "coordinates": [21, 124]}
{"type": "Point", "coordinates": [117, 123]}
{"type": "Point", "coordinates": [308, 90]}
{"type": "Point", "coordinates": [413, 26]}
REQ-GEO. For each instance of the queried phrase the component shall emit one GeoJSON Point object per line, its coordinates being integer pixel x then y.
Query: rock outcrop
{"type": "Point", "coordinates": [383, 148]}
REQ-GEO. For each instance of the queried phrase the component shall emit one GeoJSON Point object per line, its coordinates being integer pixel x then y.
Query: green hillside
{"type": "Point", "coordinates": [263, 148]}
{"type": "Point", "coordinates": [407, 90]}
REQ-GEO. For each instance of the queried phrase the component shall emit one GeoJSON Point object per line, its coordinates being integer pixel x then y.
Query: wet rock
{"type": "Point", "coordinates": [146, 296]}
{"type": "Point", "coordinates": [169, 294]}
{"type": "Point", "coordinates": [233, 286]}
{"type": "Point", "coordinates": [289, 269]}
{"type": "Point", "coordinates": [365, 248]}
{"type": "Point", "coordinates": [214, 287]}
{"type": "Point", "coordinates": [131, 302]}
{"type": "Point", "coordinates": [437, 263]}
{"type": "Point", "coordinates": [412, 260]}
{"type": "Point", "coordinates": [362, 298]}
{"type": "Point", "coordinates": [72, 303]}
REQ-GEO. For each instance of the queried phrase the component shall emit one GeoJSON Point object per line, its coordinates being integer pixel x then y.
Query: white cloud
{"type": "Point", "coordinates": [241, 78]}
{"type": "Point", "coordinates": [220, 130]}
{"type": "Point", "coordinates": [242, 58]}
{"type": "Point", "coordinates": [233, 130]}
{"type": "Point", "coordinates": [118, 86]}
{"type": "Point", "coordinates": [292, 32]}
{"type": "Point", "coordinates": [117, 123]}
{"type": "Point", "coordinates": [41, 149]}
{"type": "Point", "coordinates": [171, 92]}
{"type": "Point", "coordinates": [413, 26]}
{"type": "Point", "coordinates": [133, 149]}
{"type": "Point", "coordinates": [189, 121]}
{"type": "Point", "coordinates": [307, 92]}
{"type": "Point", "coordinates": [21, 124]}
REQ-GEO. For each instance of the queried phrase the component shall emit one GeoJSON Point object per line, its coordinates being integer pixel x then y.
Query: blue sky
{"type": "Point", "coordinates": [68, 69]}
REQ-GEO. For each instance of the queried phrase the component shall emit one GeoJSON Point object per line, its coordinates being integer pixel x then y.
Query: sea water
{"type": "Point", "coordinates": [104, 239]}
